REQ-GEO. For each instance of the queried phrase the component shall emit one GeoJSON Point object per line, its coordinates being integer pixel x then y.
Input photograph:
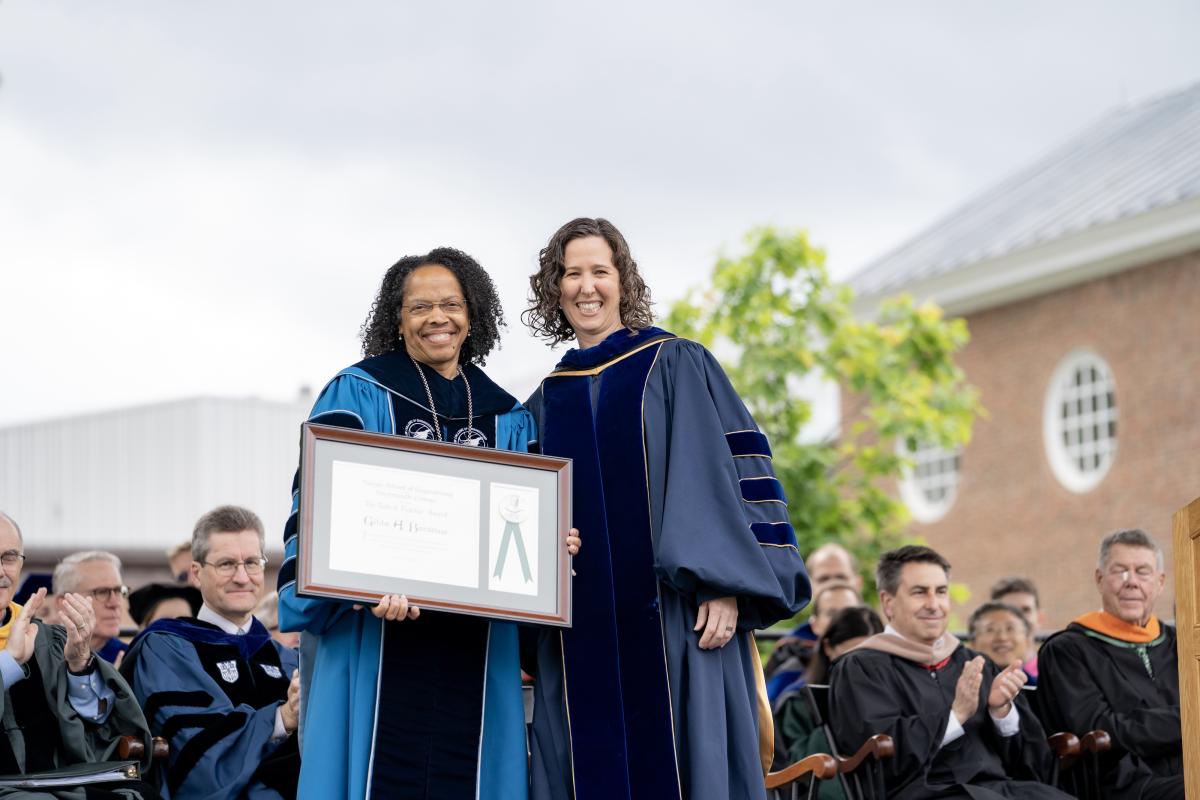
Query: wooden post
{"type": "Point", "coordinates": [1187, 619]}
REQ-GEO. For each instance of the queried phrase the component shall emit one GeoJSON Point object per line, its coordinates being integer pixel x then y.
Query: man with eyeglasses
{"type": "Point", "coordinates": [1116, 669]}
{"type": "Point", "coordinates": [63, 708]}
{"type": "Point", "coordinates": [225, 694]}
{"type": "Point", "coordinates": [96, 574]}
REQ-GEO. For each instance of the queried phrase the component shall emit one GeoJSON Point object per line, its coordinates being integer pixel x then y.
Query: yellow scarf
{"type": "Point", "coordinates": [1105, 623]}
{"type": "Point", "coordinates": [13, 611]}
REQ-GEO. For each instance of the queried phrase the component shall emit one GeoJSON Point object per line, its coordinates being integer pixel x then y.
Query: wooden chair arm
{"type": "Point", "coordinates": [133, 748]}
{"type": "Point", "coordinates": [1064, 744]}
{"type": "Point", "coordinates": [1097, 741]}
{"type": "Point", "coordinates": [821, 766]}
{"type": "Point", "coordinates": [880, 745]}
{"type": "Point", "coordinates": [1067, 747]}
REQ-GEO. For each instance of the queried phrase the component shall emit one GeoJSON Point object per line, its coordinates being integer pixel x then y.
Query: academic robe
{"type": "Point", "coordinates": [1090, 682]}
{"type": "Point", "coordinates": [875, 692]}
{"type": "Point", "coordinates": [676, 502]}
{"type": "Point", "coordinates": [112, 648]}
{"type": "Point", "coordinates": [448, 719]}
{"type": "Point", "coordinates": [42, 732]}
{"type": "Point", "coordinates": [213, 696]}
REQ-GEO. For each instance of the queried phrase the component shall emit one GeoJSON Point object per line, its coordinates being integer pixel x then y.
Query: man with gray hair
{"type": "Point", "coordinates": [1116, 669]}
{"type": "Point", "coordinates": [96, 574]}
{"type": "Point", "coordinates": [63, 708]}
{"type": "Point", "coordinates": [218, 687]}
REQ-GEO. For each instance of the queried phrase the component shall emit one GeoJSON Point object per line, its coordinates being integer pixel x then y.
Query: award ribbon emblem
{"type": "Point", "coordinates": [513, 515]}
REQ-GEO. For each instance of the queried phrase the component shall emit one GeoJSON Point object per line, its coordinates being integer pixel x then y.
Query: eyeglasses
{"type": "Point", "coordinates": [997, 630]}
{"type": "Point", "coordinates": [105, 593]}
{"type": "Point", "coordinates": [11, 558]}
{"type": "Point", "coordinates": [1123, 574]}
{"type": "Point", "coordinates": [228, 568]}
{"type": "Point", "coordinates": [454, 305]}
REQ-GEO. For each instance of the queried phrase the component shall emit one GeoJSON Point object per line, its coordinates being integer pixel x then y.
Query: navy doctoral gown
{"type": "Point", "coordinates": [676, 502]}
{"type": "Point", "coordinates": [213, 696]}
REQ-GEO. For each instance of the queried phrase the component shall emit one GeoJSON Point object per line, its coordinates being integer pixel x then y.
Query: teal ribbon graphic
{"type": "Point", "coordinates": [512, 531]}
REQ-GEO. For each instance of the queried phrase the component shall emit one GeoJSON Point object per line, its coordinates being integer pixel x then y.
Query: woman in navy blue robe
{"type": "Point", "coordinates": [657, 690]}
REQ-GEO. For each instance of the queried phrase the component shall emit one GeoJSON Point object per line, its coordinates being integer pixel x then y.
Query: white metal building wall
{"type": "Point", "coordinates": [137, 479]}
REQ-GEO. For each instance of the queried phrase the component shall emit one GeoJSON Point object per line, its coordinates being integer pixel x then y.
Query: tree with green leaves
{"type": "Point", "coordinates": [775, 312]}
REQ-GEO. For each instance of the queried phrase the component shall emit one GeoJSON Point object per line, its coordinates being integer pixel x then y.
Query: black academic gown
{"type": "Point", "coordinates": [875, 692]}
{"type": "Point", "coordinates": [1086, 684]}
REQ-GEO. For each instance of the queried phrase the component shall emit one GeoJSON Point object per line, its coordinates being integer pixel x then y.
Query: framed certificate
{"type": "Point", "coordinates": [455, 528]}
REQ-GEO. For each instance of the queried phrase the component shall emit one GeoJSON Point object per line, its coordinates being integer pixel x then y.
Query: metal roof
{"type": "Point", "coordinates": [1132, 161]}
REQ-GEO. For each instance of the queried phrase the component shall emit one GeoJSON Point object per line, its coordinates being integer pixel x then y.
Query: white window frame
{"type": "Point", "coordinates": [1062, 462]}
{"type": "Point", "coordinates": [922, 508]}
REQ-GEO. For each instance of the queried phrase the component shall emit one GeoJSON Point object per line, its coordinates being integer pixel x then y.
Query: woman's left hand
{"type": "Point", "coordinates": [718, 619]}
{"type": "Point", "coordinates": [573, 541]}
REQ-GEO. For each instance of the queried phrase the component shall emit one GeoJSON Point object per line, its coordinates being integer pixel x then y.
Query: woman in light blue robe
{"type": "Point", "coordinates": [412, 706]}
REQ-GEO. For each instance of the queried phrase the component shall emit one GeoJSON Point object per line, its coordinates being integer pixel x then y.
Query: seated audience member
{"type": "Point", "coordinates": [63, 708]}
{"type": "Point", "coordinates": [179, 561]}
{"type": "Point", "coordinates": [268, 613]}
{"type": "Point", "coordinates": [156, 601]}
{"type": "Point", "coordinates": [1001, 633]}
{"type": "Point", "coordinates": [960, 726]}
{"type": "Point", "coordinates": [828, 564]}
{"type": "Point", "coordinates": [48, 613]}
{"type": "Point", "coordinates": [832, 563]}
{"type": "Point", "coordinates": [1022, 594]}
{"type": "Point", "coordinates": [218, 688]}
{"type": "Point", "coordinates": [1116, 669]}
{"type": "Point", "coordinates": [792, 661]}
{"type": "Point", "coordinates": [798, 732]}
{"type": "Point", "coordinates": [96, 574]}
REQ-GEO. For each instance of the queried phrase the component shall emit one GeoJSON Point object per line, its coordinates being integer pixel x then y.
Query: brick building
{"type": "Point", "coordinates": [1079, 278]}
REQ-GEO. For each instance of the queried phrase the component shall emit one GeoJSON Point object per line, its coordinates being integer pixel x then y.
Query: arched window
{"type": "Point", "coordinates": [928, 488]}
{"type": "Point", "coordinates": [1079, 421]}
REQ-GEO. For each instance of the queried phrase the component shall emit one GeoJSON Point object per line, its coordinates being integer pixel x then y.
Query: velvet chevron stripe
{"type": "Point", "coordinates": [748, 443]}
{"type": "Point", "coordinates": [762, 490]}
{"type": "Point", "coordinates": [776, 533]}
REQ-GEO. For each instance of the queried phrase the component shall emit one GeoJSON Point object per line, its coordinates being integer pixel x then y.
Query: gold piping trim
{"type": "Point", "coordinates": [760, 478]}
{"type": "Point", "coordinates": [768, 544]}
{"type": "Point", "coordinates": [756, 455]}
{"type": "Point", "coordinates": [598, 369]}
{"type": "Point", "coordinates": [562, 653]}
{"type": "Point", "coordinates": [744, 500]}
{"type": "Point", "coordinates": [746, 430]}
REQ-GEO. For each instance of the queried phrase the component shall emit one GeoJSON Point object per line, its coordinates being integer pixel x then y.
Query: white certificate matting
{"type": "Point", "coordinates": [512, 539]}
{"type": "Point", "coordinates": [404, 524]}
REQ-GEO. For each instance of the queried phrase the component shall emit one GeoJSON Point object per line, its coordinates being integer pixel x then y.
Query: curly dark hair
{"type": "Point", "coordinates": [381, 330]}
{"type": "Point", "coordinates": [544, 315]}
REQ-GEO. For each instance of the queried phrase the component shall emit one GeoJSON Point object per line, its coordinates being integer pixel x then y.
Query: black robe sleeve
{"type": "Point", "coordinates": [866, 699]}
{"type": "Point", "coordinates": [1077, 686]}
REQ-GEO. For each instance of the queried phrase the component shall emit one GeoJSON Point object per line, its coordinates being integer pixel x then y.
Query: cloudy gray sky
{"type": "Point", "coordinates": [200, 198]}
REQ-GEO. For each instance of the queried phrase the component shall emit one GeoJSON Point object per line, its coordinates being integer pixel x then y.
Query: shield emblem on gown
{"type": "Point", "coordinates": [228, 670]}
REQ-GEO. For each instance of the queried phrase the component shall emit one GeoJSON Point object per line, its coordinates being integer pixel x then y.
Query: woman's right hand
{"type": "Point", "coordinates": [394, 607]}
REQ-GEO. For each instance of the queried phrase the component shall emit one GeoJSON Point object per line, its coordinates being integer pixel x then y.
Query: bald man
{"type": "Point", "coordinates": [832, 563]}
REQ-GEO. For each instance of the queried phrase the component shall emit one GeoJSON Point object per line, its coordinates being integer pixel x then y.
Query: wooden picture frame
{"type": "Point", "coordinates": [470, 530]}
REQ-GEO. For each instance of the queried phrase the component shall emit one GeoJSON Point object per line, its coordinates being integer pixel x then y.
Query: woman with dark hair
{"type": "Point", "coordinates": [849, 628]}
{"type": "Point", "coordinates": [656, 691]}
{"type": "Point", "coordinates": [448, 721]}
{"type": "Point", "coordinates": [798, 728]}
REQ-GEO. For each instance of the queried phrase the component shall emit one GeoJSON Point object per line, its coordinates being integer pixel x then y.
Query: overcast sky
{"type": "Point", "coordinates": [201, 198]}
